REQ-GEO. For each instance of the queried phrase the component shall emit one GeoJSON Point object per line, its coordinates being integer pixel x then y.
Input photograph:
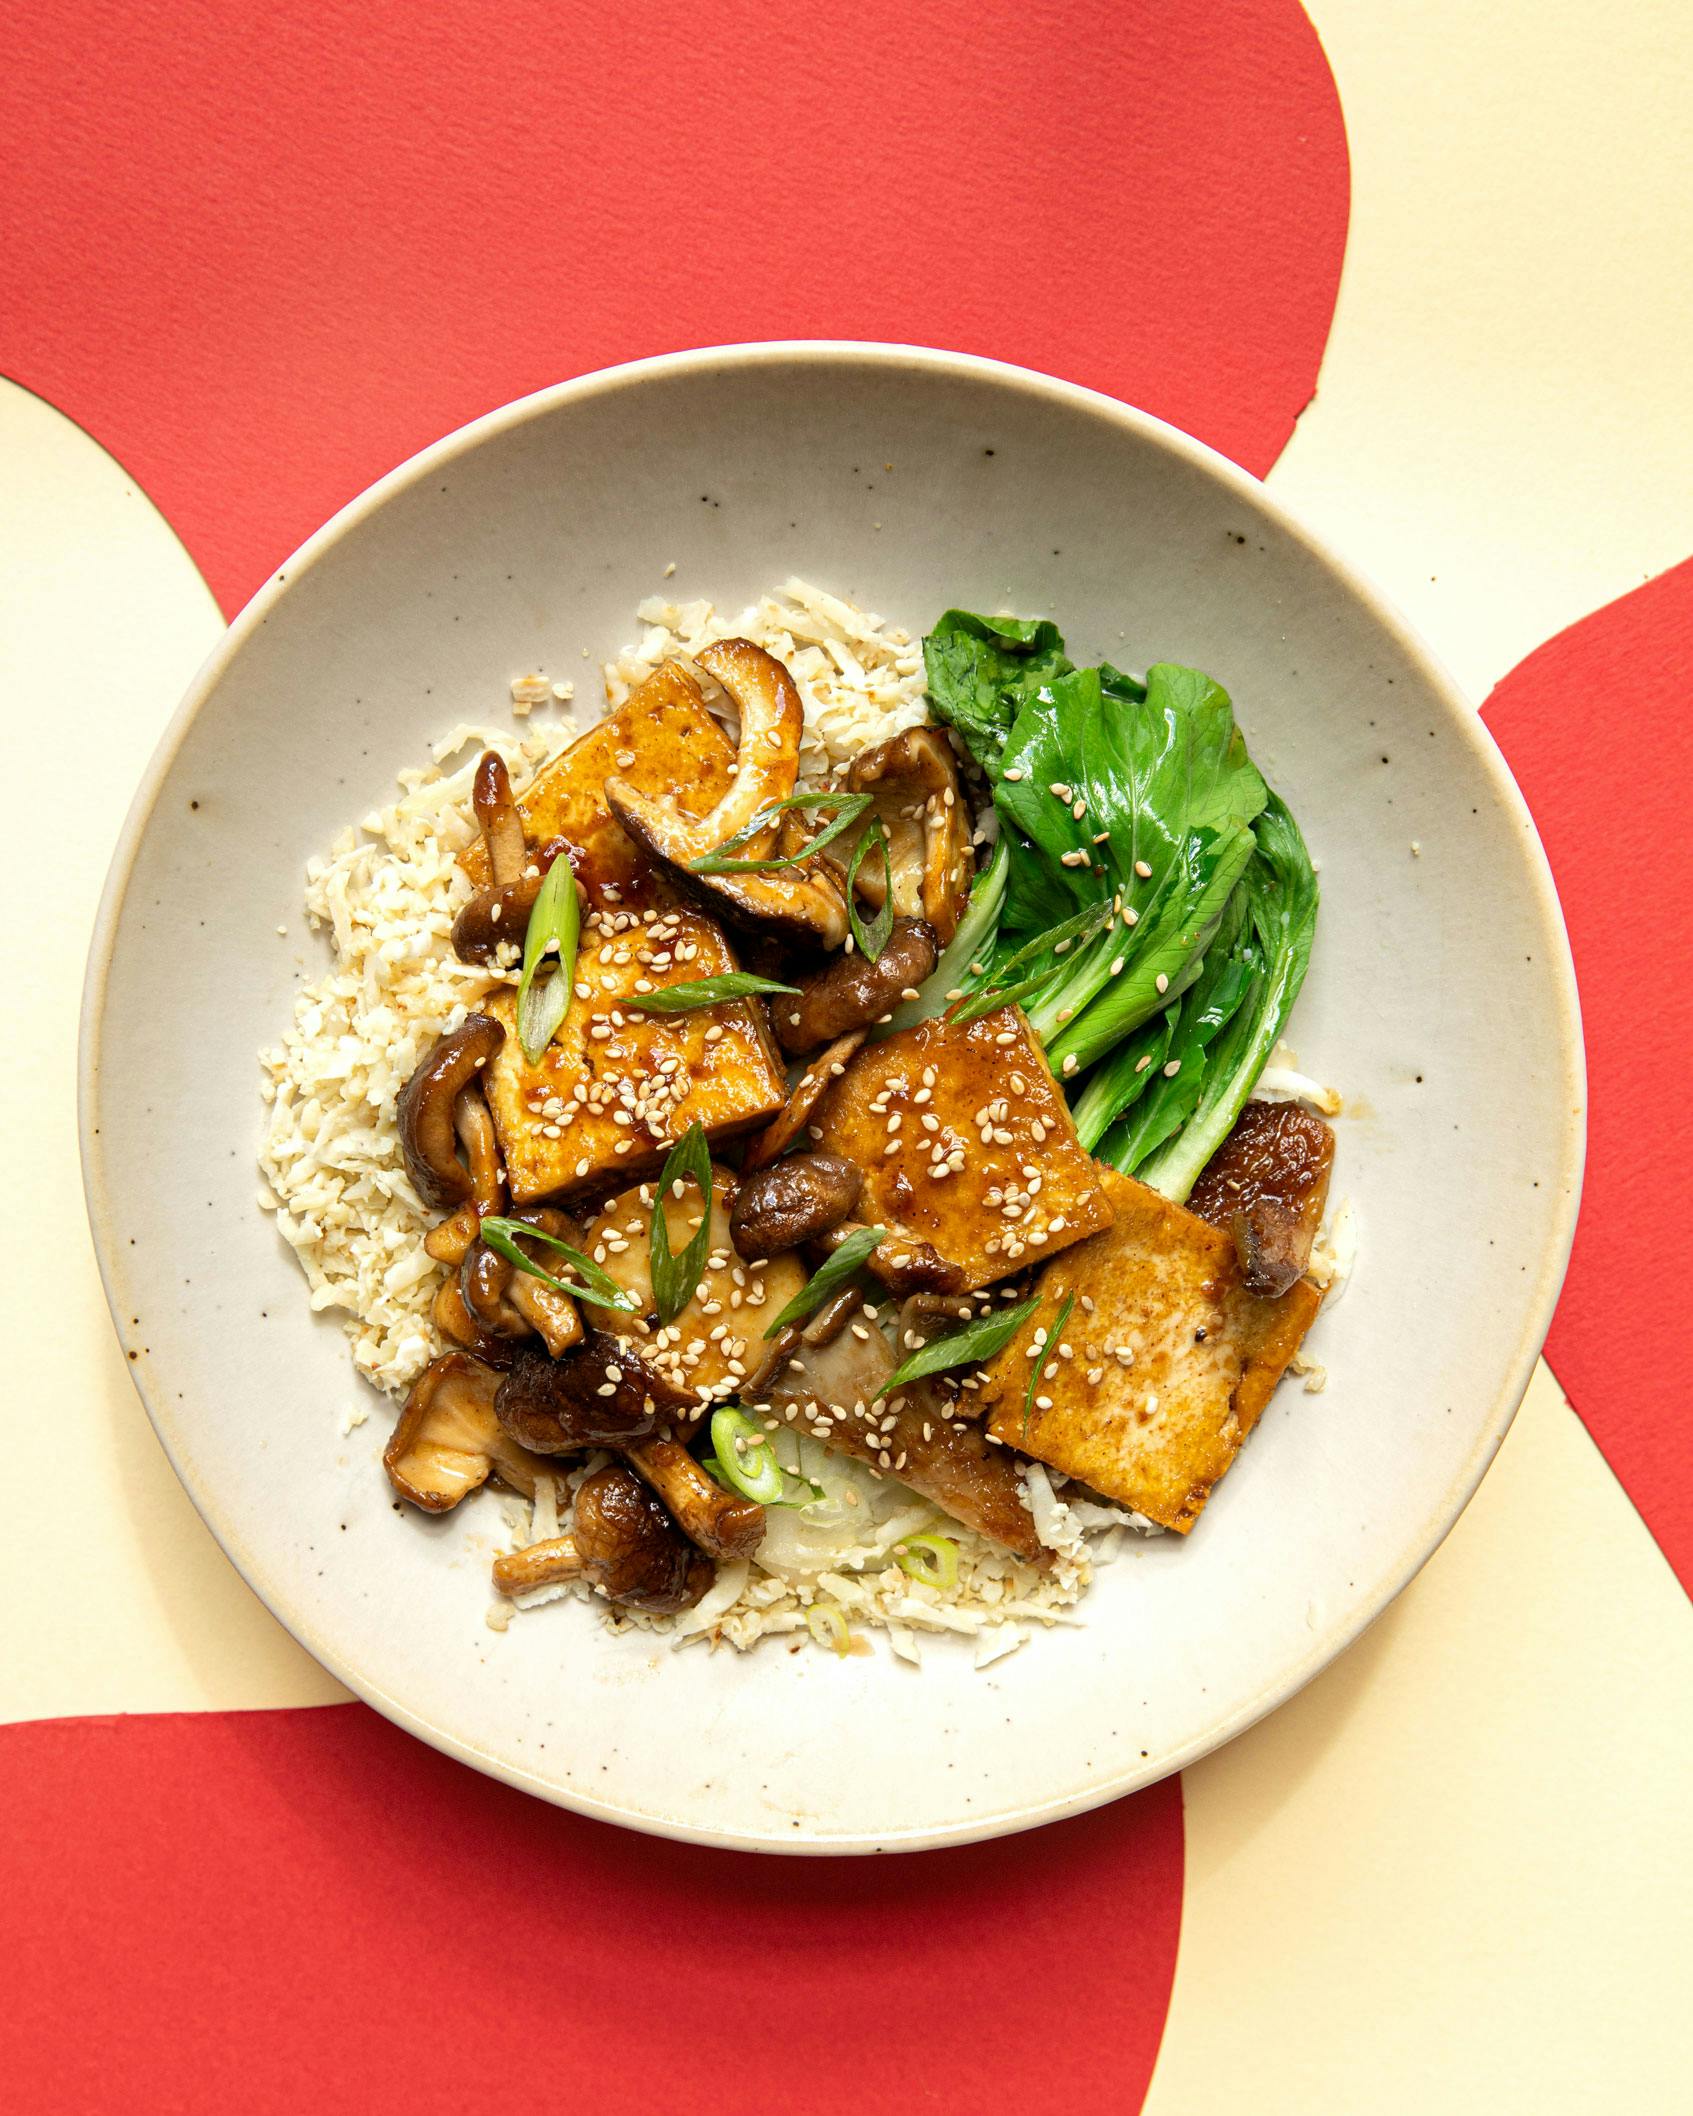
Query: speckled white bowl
{"type": "Point", "coordinates": [1440, 999]}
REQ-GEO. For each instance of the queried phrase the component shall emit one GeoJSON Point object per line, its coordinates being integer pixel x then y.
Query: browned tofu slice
{"type": "Point", "coordinates": [716, 1347]}
{"type": "Point", "coordinates": [1165, 1365]}
{"type": "Point", "coordinates": [967, 1144]}
{"type": "Point", "coordinates": [663, 741]}
{"type": "Point", "coordinates": [617, 1087]}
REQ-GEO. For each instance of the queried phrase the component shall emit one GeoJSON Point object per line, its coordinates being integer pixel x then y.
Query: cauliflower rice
{"type": "Point", "coordinates": [386, 895]}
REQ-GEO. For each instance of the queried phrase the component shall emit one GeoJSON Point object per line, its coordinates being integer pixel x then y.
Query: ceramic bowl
{"type": "Point", "coordinates": [1440, 1001]}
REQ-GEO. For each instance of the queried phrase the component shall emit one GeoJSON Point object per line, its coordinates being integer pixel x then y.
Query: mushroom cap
{"type": "Point", "coordinates": [793, 1201]}
{"type": "Point", "coordinates": [600, 1394]}
{"type": "Point", "coordinates": [852, 992]}
{"type": "Point", "coordinates": [425, 1117]}
{"type": "Point", "coordinates": [632, 1549]}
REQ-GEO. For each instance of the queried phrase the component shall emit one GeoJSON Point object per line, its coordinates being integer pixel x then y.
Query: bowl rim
{"type": "Point", "coordinates": [1535, 1312]}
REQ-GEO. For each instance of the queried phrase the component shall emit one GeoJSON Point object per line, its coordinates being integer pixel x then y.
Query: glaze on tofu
{"type": "Point", "coordinates": [660, 739]}
{"type": "Point", "coordinates": [1165, 1365]}
{"type": "Point", "coordinates": [716, 1346]}
{"type": "Point", "coordinates": [616, 1088]}
{"type": "Point", "coordinates": [967, 1144]}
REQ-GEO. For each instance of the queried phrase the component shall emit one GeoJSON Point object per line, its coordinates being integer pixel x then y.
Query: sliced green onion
{"type": "Point", "coordinates": [1050, 1345]}
{"type": "Point", "coordinates": [969, 1347]}
{"type": "Point", "coordinates": [720, 861]}
{"type": "Point", "coordinates": [676, 1278]}
{"type": "Point", "coordinates": [826, 1621]}
{"type": "Point", "coordinates": [745, 1458]}
{"type": "Point", "coordinates": [1075, 931]}
{"type": "Point", "coordinates": [830, 1277]}
{"type": "Point", "coordinates": [931, 1559]}
{"type": "Point", "coordinates": [976, 931]}
{"type": "Point", "coordinates": [705, 992]}
{"type": "Point", "coordinates": [871, 939]}
{"type": "Point", "coordinates": [599, 1291]}
{"type": "Point", "coordinates": [553, 923]}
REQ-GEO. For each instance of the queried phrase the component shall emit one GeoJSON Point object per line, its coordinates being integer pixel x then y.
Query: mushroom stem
{"type": "Point", "coordinates": [546, 1564]}
{"type": "Point", "coordinates": [497, 816]}
{"type": "Point", "coordinates": [427, 1117]}
{"type": "Point", "coordinates": [474, 1126]}
{"type": "Point", "coordinates": [723, 1524]}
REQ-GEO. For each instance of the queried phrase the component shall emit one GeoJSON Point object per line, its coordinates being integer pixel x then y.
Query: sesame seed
{"type": "Point", "coordinates": [1014, 774]}
{"type": "Point", "coordinates": [1069, 1066]}
{"type": "Point", "coordinates": [1143, 870]}
{"type": "Point", "coordinates": [1172, 1069]}
{"type": "Point", "coordinates": [1161, 982]}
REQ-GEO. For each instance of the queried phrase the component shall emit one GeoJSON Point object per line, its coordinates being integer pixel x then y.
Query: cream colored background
{"type": "Point", "coordinates": [1454, 1872]}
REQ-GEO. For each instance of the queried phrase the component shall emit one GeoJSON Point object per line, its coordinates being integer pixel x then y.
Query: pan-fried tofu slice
{"type": "Point", "coordinates": [716, 1347]}
{"type": "Point", "coordinates": [966, 1144]}
{"type": "Point", "coordinates": [1165, 1364]}
{"type": "Point", "coordinates": [617, 1087]}
{"type": "Point", "coordinates": [663, 741]}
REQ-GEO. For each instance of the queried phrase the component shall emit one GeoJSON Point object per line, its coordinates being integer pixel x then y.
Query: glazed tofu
{"type": "Point", "coordinates": [967, 1144]}
{"type": "Point", "coordinates": [617, 1087]}
{"type": "Point", "coordinates": [716, 1347]}
{"type": "Point", "coordinates": [1165, 1364]}
{"type": "Point", "coordinates": [663, 741]}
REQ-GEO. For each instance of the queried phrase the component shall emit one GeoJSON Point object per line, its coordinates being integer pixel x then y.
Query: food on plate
{"type": "Point", "coordinates": [797, 1137]}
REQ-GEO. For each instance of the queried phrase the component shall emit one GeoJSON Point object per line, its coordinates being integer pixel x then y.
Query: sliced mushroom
{"type": "Point", "coordinates": [803, 1097]}
{"type": "Point", "coordinates": [621, 1540]}
{"type": "Point", "coordinates": [448, 1442]}
{"type": "Point", "coordinates": [455, 1321]}
{"type": "Point", "coordinates": [448, 1240]}
{"type": "Point", "coordinates": [802, 907]}
{"type": "Point", "coordinates": [793, 1201]}
{"type": "Point", "coordinates": [902, 1265]}
{"type": "Point", "coordinates": [766, 763]}
{"type": "Point", "coordinates": [722, 1523]}
{"type": "Point", "coordinates": [1267, 1185]}
{"type": "Point", "coordinates": [914, 779]}
{"type": "Point", "coordinates": [507, 1302]}
{"type": "Point", "coordinates": [855, 993]}
{"type": "Point", "coordinates": [601, 1394]}
{"type": "Point", "coordinates": [500, 908]}
{"type": "Point", "coordinates": [427, 1113]}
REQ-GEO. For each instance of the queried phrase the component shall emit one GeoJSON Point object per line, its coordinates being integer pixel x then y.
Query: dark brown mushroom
{"type": "Point", "coordinates": [853, 992]}
{"type": "Point", "coordinates": [455, 1321]}
{"type": "Point", "coordinates": [793, 1201]}
{"type": "Point", "coordinates": [621, 1540]}
{"type": "Point", "coordinates": [797, 907]}
{"type": "Point", "coordinates": [1267, 1185]}
{"type": "Point", "coordinates": [507, 1302]}
{"type": "Point", "coordinates": [448, 1442]}
{"type": "Point", "coordinates": [601, 1394]}
{"type": "Point", "coordinates": [499, 911]}
{"type": "Point", "coordinates": [913, 778]}
{"type": "Point", "coordinates": [902, 1264]}
{"type": "Point", "coordinates": [448, 1239]}
{"type": "Point", "coordinates": [803, 1097]}
{"type": "Point", "coordinates": [722, 1523]}
{"type": "Point", "coordinates": [428, 1118]}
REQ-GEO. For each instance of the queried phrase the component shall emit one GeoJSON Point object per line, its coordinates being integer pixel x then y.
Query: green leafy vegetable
{"type": "Point", "coordinates": [830, 1276]}
{"type": "Point", "coordinates": [675, 1278]}
{"type": "Point", "coordinates": [967, 947]}
{"type": "Point", "coordinates": [1274, 949]}
{"type": "Point", "coordinates": [980, 670]}
{"type": "Point", "coordinates": [1043, 1344]}
{"type": "Point", "coordinates": [723, 861]}
{"type": "Point", "coordinates": [705, 992]}
{"type": "Point", "coordinates": [595, 1287]}
{"type": "Point", "coordinates": [970, 1346]}
{"type": "Point", "coordinates": [871, 939]}
{"type": "Point", "coordinates": [553, 923]}
{"type": "Point", "coordinates": [744, 1456]}
{"type": "Point", "coordinates": [931, 1559]}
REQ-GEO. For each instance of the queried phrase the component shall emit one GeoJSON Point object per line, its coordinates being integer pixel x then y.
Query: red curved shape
{"type": "Point", "coordinates": [286, 1911]}
{"type": "Point", "coordinates": [263, 256]}
{"type": "Point", "coordinates": [1595, 726]}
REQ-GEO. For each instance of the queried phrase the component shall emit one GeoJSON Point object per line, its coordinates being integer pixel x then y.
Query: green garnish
{"type": "Point", "coordinates": [745, 1459]}
{"type": "Point", "coordinates": [676, 1278]}
{"type": "Point", "coordinates": [599, 1291]}
{"type": "Point", "coordinates": [553, 923]}
{"type": "Point", "coordinates": [1047, 1344]}
{"type": "Point", "coordinates": [705, 992]}
{"type": "Point", "coordinates": [720, 861]}
{"type": "Point", "coordinates": [826, 1621]}
{"type": "Point", "coordinates": [830, 1276]}
{"type": "Point", "coordinates": [931, 1559]}
{"type": "Point", "coordinates": [871, 939]}
{"type": "Point", "coordinates": [969, 1347]}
